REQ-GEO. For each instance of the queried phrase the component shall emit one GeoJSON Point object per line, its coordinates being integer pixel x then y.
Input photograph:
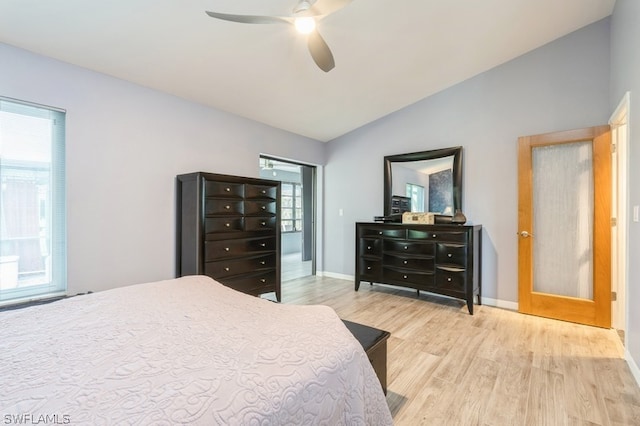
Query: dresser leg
{"type": "Point", "coordinates": [357, 285]}
{"type": "Point", "coordinates": [470, 305]}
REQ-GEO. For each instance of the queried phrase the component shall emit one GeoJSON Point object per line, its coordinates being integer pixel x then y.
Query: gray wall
{"type": "Point", "coordinates": [560, 86]}
{"type": "Point", "coordinates": [125, 145]}
{"type": "Point", "coordinates": [625, 76]}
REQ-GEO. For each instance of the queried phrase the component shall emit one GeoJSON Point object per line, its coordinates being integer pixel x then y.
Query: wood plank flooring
{"type": "Point", "coordinates": [497, 367]}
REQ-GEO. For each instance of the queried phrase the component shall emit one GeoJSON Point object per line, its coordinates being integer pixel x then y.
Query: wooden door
{"type": "Point", "coordinates": [564, 266]}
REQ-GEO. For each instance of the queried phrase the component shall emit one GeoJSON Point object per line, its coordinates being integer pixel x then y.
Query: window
{"type": "Point", "coordinates": [32, 200]}
{"type": "Point", "coordinates": [291, 220]}
{"type": "Point", "coordinates": [416, 193]}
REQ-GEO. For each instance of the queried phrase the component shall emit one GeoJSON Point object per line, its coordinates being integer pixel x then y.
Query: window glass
{"type": "Point", "coordinates": [32, 201]}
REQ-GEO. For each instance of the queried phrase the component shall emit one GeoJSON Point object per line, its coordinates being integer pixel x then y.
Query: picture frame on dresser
{"type": "Point", "coordinates": [228, 228]}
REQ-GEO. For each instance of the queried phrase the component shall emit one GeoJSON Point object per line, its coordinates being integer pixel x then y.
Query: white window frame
{"type": "Point", "coordinates": [55, 279]}
{"type": "Point", "coordinates": [297, 195]}
{"type": "Point", "coordinates": [417, 194]}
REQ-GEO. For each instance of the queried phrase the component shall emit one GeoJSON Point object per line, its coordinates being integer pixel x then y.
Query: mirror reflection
{"type": "Point", "coordinates": [428, 184]}
{"type": "Point", "coordinates": [426, 181]}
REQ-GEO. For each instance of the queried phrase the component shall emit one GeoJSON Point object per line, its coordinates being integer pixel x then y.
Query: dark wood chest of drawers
{"type": "Point", "coordinates": [228, 227]}
{"type": "Point", "coordinates": [442, 259]}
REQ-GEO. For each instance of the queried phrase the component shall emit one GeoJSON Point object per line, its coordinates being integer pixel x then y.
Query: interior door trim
{"type": "Point", "coordinates": [592, 312]}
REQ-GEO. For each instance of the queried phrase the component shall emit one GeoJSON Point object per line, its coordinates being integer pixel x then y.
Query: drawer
{"type": "Point", "coordinates": [223, 224]}
{"type": "Point", "coordinates": [451, 254]}
{"type": "Point", "coordinates": [409, 247]}
{"type": "Point", "coordinates": [223, 189]}
{"type": "Point", "coordinates": [256, 283]}
{"type": "Point", "coordinates": [452, 236]}
{"type": "Point", "coordinates": [214, 250]}
{"type": "Point", "coordinates": [370, 268]}
{"type": "Point", "coordinates": [394, 232]}
{"type": "Point", "coordinates": [258, 207]}
{"type": "Point", "coordinates": [230, 267]}
{"type": "Point", "coordinates": [451, 279]}
{"type": "Point", "coordinates": [260, 191]}
{"type": "Point", "coordinates": [370, 246]}
{"type": "Point", "coordinates": [260, 223]}
{"type": "Point", "coordinates": [421, 263]}
{"type": "Point", "coordinates": [213, 206]}
{"type": "Point", "coordinates": [399, 276]}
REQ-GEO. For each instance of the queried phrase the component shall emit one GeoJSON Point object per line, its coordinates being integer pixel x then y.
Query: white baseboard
{"type": "Point", "coordinates": [504, 304]}
{"type": "Point", "coordinates": [632, 366]}
{"type": "Point", "coordinates": [335, 275]}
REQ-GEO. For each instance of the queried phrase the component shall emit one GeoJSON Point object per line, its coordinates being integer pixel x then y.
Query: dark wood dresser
{"type": "Point", "coordinates": [228, 227]}
{"type": "Point", "coordinates": [442, 259]}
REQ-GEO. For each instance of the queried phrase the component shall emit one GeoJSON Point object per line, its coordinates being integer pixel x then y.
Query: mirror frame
{"type": "Point", "coordinates": [455, 151]}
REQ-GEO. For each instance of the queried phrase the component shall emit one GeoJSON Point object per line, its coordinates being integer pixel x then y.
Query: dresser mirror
{"type": "Point", "coordinates": [431, 180]}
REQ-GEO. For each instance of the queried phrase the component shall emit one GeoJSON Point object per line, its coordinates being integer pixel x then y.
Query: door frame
{"type": "Point", "coordinates": [620, 262]}
{"type": "Point", "coordinates": [316, 173]}
{"type": "Point", "coordinates": [593, 312]}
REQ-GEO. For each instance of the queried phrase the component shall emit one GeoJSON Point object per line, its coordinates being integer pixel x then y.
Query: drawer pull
{"type": "Point", "coordinates": [449, 255]}
{"type": "Point", "coordinates": [263, 244]}
{"type": "Point", "coordinates": [405, 262]}
{"type": "Point", "coordinates": [264, 223]}
{"type": "Point", "coordinates": [380, 233]}
{"type": "Point", "coordinates": [368, 247]}
{"type": "Point", "coordinates": [226, 249]}
{"type": "Point", "coordinates": [264, 207]}
{"type": "Point", "coordinates": [227, 207]}
{"type": "Point", "coordinates": [264, 191]}
{"type": "Point", "coordinates": [226, 269]}
{"type": "Point", "coordinates": [449, 279]}
{"type": "Point", "coordinates": [433, 235]}
{"type": "Point", "coordinates": [404, 276]}
{"type": "Point", "coordinates": [263, 262]}
{"type": "Point", "coordinates": [228, 189]}
{"type": "Point", "coordinates": [368, 268]}
{"type": "Point", "coordinates": [227, 225]}
{"type": "Point", "coordinates": [262, 280]}
{"type": "Point", "coordinates": [406, 247]}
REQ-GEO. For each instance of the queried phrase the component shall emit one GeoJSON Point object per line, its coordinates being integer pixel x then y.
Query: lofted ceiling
{"type": "Point", "coordinates": [388, 53]}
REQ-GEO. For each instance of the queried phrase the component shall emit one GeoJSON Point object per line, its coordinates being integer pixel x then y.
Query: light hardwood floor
{"type": "Point", "coordinates": [497, 367]}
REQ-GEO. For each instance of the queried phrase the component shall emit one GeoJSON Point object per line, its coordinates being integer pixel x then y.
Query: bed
{"type": "Point", "coordinates": [184, 351]}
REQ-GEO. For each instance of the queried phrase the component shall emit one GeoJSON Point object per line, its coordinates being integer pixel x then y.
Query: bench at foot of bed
{"type": "Point", "coordinates": [374, 342]}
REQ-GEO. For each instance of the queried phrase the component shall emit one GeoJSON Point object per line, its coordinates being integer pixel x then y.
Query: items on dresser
{"type": "Point", "coordinates": [419, 218]}
{"type": "Point", "coordinates": [442, 259]}
{"type": "Point", "coordinates": [228, 228]}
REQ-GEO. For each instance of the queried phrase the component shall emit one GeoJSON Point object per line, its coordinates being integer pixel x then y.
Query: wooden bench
{"type": "Point", "coordinates": [374, 342]}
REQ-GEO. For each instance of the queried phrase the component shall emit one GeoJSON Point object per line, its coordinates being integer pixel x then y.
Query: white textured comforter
{"type": "Point", "coordinates": [185, 351]}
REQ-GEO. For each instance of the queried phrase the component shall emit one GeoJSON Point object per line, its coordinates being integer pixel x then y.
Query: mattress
{"type": "Point", "coordinates": [184, 351]}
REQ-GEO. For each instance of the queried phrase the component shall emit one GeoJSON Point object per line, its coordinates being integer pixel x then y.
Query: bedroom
{"type": "Point", "coordinates": [126, 144]}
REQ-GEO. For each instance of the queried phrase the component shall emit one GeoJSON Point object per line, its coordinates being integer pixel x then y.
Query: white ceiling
{"type": "Point", "coordinates": [388, 53]}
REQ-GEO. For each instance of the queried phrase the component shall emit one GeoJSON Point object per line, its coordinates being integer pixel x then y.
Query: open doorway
{"type": "Point", "coordinates": [620, 208]}
{"type": "Point", "coordinates": [297, 225]}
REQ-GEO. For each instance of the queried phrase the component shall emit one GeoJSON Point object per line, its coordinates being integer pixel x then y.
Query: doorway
{"type": "Point", "coordinates": [297, 223]}
{"type": "Point", "coordinates": [564, 219]}
{"type": "Point", "coordinates": [620, 207]}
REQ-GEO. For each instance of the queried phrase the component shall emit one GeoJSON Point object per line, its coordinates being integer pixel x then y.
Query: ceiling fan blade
{"type": "Point", "coordinates": [249, 19]}
{"type": "Point", "coordinates": [320, 51]}
{"type": "Point", "coordinates": [326, 7]}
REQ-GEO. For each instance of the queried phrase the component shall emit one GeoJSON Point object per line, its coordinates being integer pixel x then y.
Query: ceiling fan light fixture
{"type": "Point", "coordinates": [305, 25]}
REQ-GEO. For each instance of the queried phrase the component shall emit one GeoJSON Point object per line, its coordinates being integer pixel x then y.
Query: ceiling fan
{"type": "Point", "coordinates": [304, 17]}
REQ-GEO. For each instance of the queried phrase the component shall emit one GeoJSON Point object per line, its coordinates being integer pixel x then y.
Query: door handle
{"type": "Point", "coordinates": [525, 234]}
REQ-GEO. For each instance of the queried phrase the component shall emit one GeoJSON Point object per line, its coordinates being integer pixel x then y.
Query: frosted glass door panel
{"type": "Point", "coordinates": [563, 219]}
